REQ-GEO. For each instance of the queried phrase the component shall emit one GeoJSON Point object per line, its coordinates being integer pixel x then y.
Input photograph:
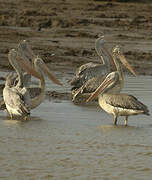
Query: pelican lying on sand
{"type": "Point", "coordinates": [115, 103]}
{"type": "Point", "coordinates": [92, 84]}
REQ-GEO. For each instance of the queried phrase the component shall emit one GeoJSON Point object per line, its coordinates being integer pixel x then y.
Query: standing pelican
{"type": "Point", "coordinates": [17, 98]}
{"type": "Point", "coordinates": [90, 70]}
{"type": "Point", "coordinates": [115, 103]}
{"type": "Point", "coordinates": [92, 84]}
{"type": "Point", "coordinates": [38, 93]}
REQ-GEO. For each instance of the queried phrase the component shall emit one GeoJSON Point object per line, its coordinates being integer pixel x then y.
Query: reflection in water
{"type": "Point", "coordinates": [64, 141]}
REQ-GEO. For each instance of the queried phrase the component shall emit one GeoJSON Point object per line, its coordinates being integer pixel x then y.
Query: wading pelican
{"type": "Point", "coordinates": [90, 70]}
{"type": "Point", "coordinates": [92, 84]}
{"type": "Point", "coordinates": [38, 93]}
{"type": "Point", "coordinates": [17, 98]}
{"type": "Point", "coordinates": [115, 103]}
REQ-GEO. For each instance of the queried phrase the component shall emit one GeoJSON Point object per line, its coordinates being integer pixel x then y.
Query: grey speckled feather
{"type": "Point", "coordinates": [125, 101]}
{"type": "Point", "coordinates": [15, 100]}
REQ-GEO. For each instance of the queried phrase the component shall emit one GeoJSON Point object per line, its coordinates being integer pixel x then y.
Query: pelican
{"type": "Point", "coordinates": [90, 70]}
{"type": "Point", "coordinates": [26, 53]}
{"type": "Point", "coordinates": [17, 98]}
{"type": "Point", "coordinates": [92, 84]}
{"type": "Point", "coordinates": [38, 93]}
{"type": "Point", "coordinates": [114, 102]}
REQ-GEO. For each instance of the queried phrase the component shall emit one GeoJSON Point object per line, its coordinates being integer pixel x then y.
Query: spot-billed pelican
{"type": "Point", "coordinates": [17, 98]}
{"type": "Point", "coordinates": [115, 103]}
{"type": "Point", "coordinates": [38, 93]}
{"type": "Point", "coordinates": [25, 52]}
{"type": "Point", "coordinates": [90, 70]}
{"type": "Point", "coordinates": [92, 84]}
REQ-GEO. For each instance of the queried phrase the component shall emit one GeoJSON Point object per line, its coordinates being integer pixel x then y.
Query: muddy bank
{"type": "Point", "coordinates": [68, 29]}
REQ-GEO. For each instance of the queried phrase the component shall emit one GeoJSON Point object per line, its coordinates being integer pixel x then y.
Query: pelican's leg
{"type": "Point", "coordinates": [11, 115]}
{"type": "Point", "coordinates": [26, 118]}
{"type": "Point", "coordinates": [115, 119]}
{"type": "Point", "coordinates": [126, 120]}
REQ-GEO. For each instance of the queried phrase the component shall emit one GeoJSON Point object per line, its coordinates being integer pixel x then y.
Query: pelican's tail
{"type": "Point", "coordinates": [23, 110]}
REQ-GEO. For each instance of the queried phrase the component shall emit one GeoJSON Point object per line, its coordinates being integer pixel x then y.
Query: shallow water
{"type": "Point", "coordinates": [65, 141]}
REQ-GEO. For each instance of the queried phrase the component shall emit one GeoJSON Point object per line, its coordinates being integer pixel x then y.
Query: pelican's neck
{"type": "Point", "coordinates": [103, 55]}
{"type": "Point", "coordinates": [118, 67]}
{"type": "Point", "coordinates": [18, 71]}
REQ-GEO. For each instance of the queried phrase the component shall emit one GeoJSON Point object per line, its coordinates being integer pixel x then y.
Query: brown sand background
{"type": "Point", "coordinates": [69, 28]}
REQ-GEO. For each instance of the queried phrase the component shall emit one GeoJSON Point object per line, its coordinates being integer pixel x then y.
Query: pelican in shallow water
{"type": "Point", "coordinates": [90, 70]}
{"type": "Point", "coordinates": [92, 84]}
{"type": "Point", "coordinates": [115, 103]}
{"type": "Point", "coordinates": [38, 93]}
{"type": "Point", "coordinates": [17, 98]}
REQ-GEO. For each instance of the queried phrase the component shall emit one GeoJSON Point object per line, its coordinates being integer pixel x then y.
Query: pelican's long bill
{"type": "Point", "coordinates": [125, 63]}
{"type": "Point", "coordinates": [27, 68]}
{"type": "Point", "coordinates": [102, 87]}
{"type": "Point", "coordinates": [50, 75]}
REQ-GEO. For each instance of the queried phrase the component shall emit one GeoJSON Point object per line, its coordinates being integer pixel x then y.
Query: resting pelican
{"type": "Point", "coordinates": [90, 70]}
{"type": "Point", "coordinates": [17, 98]}
{"type": "Point", "coordinates": [92, 84]}
{"type": "Point", "coordinates": [115, 103]}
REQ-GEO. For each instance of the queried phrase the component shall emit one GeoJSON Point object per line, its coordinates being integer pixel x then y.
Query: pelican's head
{"type": "Point", "coordinates": [24, 50]}
{"type": "Point", "coordinates": [39, 64]}
{"type": "Point", "coordinates": [117, 53]}
{"type": "Point", "coordinates": [18, 63]}
{"type": "Point", "coordinates": [109, 83]}
{"type": "Point", "coordinates": [100, 40]}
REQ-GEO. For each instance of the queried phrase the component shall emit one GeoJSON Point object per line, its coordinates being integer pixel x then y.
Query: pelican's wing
{"type": "Point", "coordinates": [89, 87]}
{"type": "Point", "coordinates": [87, 74]}
{"type": "Point", "coordinates": [34, 91]}
{"type": "Point", "coordinates": [126, 101]}
{"type": "Point", "coordinates": [15, 100]}
{"type": "Point", "coordinates": [2, 104]}
{"type": "Point", "coordinates": [82, 69]}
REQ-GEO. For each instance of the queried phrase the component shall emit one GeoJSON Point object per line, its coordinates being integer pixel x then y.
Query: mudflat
{"type": "Point", "coordinates": [63, 32]}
